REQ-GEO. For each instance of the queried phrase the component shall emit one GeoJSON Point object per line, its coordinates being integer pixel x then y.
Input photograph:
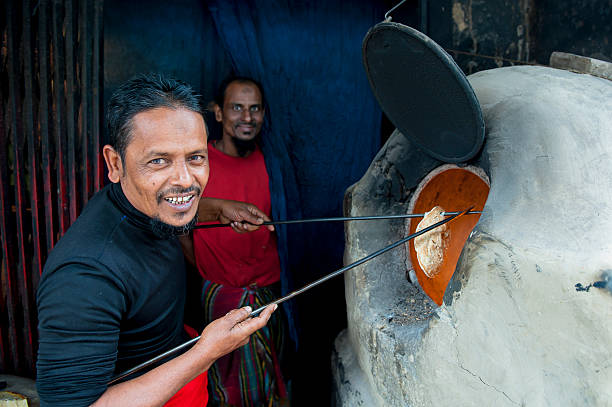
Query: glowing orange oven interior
{"type": "Point", "coordinates": [454, 189]}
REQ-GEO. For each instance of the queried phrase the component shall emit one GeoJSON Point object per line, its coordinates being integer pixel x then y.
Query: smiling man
{"type": "Point", "coordinates": [112, 293]}
{"type": "Point", "coordinates": [242, 269]}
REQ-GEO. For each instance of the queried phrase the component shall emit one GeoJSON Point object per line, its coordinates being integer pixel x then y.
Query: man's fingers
{"type": "Point", "coordinates": [239, 227]}
{"type": "Point", "coordinates": [251, 325]}
{"type": "Point", "coordinates": [249, 228]}
{"type": "Point", "coordinates": [243, 217]}
{"type": "Point", "coordinates": [255, 211]}
{"type": "Point", "coordinates": [238, 315]}
{"type": "Point", "coordinates": [263, 216]}
{"type": "Point", "coordinates": [251, 214]}
{"type": "Point", "coordinates": [236, 310]}
{"type": "Point", "coordinates": [267, 312]}
{"type": "Point", "coordinates": [260, 216]}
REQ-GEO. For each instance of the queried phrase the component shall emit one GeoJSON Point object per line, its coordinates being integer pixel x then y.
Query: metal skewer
{"type": "Point", "coordinates": [338, 219]}
{"type": "Point", "coordinates": [172, 351]}
{"type": "Point", "coordinates": [361, 261]}
{"type": "Point", "coordinates": [154, 360]}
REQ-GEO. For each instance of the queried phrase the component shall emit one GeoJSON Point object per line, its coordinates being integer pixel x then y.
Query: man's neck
{"type": "Point", "coordinates": [227, 146]}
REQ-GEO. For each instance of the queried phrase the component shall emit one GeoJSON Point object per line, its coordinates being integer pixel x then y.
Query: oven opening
{"type": "Point", "coordinates": [434, 255]}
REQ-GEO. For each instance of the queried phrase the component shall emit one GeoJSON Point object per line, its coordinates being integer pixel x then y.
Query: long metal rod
{"type": "Point", "coordinates": [338, 219]}
{"type": "Point", "coordinates": [154, 360]}
{"type": "Point", "coordinates": [360, 261]}
{"type": "Point", "coordinates": [294, 293]}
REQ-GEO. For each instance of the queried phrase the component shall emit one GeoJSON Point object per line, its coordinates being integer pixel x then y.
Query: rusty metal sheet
{"type": "Point", "coordinates": [50, 118]}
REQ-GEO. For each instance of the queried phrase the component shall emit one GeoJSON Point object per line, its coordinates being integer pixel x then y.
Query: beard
{"type": "Point", "coordinates": [165, 231]}
{"type": "Point", "coordinates": [245, 147]}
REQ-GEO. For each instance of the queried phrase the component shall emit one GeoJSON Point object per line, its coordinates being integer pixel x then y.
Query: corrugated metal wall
{"type": "Point", "coordinates": [50, 133]}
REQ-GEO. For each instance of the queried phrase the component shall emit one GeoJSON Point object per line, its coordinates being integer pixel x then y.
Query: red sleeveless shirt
{"type": "Point", "coordinates": [222, 255]}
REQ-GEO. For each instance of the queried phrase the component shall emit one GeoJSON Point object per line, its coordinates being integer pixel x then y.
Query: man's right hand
{"type": "Point", "coordinates": [242, 216]}
{"type": "Point", "coordinates": [232, 331]}
{"type": "Point", "coordinates": [155, 387]}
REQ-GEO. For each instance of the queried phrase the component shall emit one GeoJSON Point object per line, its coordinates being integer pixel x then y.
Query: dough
{"type": "Point", "coordinates": [430, 247]}
{"type": "Point", "coordinates": [10, 399]}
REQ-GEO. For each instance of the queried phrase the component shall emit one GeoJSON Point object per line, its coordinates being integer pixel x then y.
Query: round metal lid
{"type": "Point", "coordinates": [423, 92]}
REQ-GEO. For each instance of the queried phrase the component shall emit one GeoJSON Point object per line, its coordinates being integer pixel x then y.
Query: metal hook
{"type": "Point", "coordinates": [387, 16]}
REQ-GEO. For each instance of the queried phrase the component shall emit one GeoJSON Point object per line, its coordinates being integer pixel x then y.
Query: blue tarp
{"type": "Point", "coordinates": [322, 125]}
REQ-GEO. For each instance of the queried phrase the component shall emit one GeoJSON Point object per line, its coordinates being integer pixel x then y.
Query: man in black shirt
{"type": "Point", "coordinates": [112, 292]}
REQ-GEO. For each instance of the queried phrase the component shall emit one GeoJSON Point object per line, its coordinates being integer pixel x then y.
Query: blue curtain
{"type": "Point", "coordinates": [322, 124]}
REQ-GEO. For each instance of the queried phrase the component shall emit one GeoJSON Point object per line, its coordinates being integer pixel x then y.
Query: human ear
{"type": "Point", "coordinates": [113, 162]}
{"type": "Point", "coordinates": [218, 114]}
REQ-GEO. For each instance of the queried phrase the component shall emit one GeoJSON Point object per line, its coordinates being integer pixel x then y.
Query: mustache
{"type": "Point", "coordinates": [178, 191]}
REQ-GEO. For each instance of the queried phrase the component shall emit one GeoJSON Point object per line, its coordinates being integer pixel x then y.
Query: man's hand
{"type": "Point", "coordinates": [232, 331]}
{"type": "Point", "coordinates": [155, 387]}
{"type": "Point", "coordinates": [242, 216]}
{"type": "Point", "coordinates": [236, 212]}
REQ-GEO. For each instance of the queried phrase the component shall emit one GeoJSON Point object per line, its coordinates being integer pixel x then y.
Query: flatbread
{"type": "Point", "coordinates": [10, 399]}
{"type": "Point", "coordinates": [430, 247]}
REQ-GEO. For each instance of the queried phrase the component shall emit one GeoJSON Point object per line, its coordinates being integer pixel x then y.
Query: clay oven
{"type": "Point", "coordinates": [518, 311]}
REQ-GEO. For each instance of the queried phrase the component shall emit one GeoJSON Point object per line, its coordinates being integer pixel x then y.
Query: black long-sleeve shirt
{"type": "Point", "coordinates": [111, 296]}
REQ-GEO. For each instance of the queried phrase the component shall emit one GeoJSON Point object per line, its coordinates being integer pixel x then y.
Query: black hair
{"type": "Point", "coordinates": [220, 95]}
{"type": "Point", "coordinates": [144, 92]}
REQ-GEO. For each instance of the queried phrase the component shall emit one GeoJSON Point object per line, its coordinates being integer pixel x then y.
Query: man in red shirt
{"type": "Point", "coordinates": [241, 269]}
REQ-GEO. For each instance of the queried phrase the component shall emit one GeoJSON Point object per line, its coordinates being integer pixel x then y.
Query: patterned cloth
{"type": "Point", "coordinates": [251, 375]}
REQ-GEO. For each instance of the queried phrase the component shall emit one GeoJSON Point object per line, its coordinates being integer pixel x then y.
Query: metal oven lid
{"type": "Point", "coordinates": [423, 92]}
